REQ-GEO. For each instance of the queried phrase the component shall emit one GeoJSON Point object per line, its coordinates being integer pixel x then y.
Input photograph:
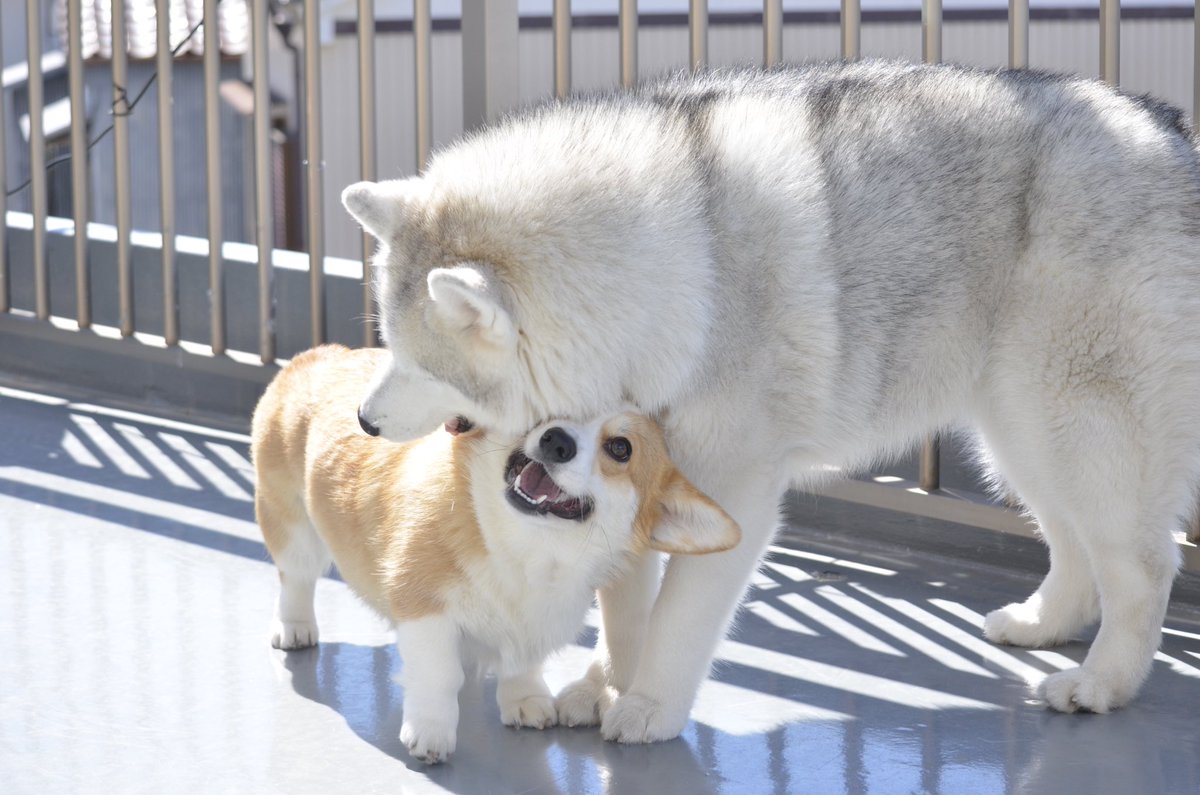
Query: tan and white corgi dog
{"type": "Point", "coordinates": [480, 550]}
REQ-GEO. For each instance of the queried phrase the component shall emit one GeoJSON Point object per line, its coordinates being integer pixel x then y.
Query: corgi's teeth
{"type": "Point", "coordinates": [540, 499]}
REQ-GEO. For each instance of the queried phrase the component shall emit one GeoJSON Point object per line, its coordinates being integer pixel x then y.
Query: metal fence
{"type": "Point", "coordinates": [490, 52]}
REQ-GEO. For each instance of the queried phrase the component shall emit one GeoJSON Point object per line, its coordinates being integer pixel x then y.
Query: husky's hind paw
{"type": "Point", "coordinates": [1019, 624]}
{"type": "Point", "coordinates": [294, 634]}
{"type": "Point", "coordinates": [584, 702]}
{"type": "Point", "coordinates": [635, 718]}
{"type": "Point", "coordinates": [1079, 690]}
{"type": "Point", "coordinates": [430, 742]}
{"type": "Point", "coordinates": [535, 712]}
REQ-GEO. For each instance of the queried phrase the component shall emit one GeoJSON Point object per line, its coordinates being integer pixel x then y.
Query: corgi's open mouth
{"type": "Point", "coordinates": [532, 490]}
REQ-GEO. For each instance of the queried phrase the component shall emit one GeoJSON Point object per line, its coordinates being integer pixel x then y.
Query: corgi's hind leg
{"type": "Point", "coordinates": [301, 558]}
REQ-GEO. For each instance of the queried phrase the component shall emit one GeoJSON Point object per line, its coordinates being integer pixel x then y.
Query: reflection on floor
{"type": "Point", "coordinates": [135, 595]}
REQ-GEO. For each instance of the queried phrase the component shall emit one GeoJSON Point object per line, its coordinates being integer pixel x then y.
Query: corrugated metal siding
{"type": "Point", "coordinates": [1156, 57]}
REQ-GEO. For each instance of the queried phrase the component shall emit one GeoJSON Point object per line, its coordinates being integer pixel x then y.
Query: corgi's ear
{"type": "Point", "coordinates": [383, 208]}
{"type": "Point", "coordinates": [466, 300]}
{"type": "Point", "coordinates": [691, 523]}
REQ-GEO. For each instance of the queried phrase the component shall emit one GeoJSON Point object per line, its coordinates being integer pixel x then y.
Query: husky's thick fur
{"type": "Point", "coordinates": [477, 547]}
{"type": "Point", "coordinates": [817, 266]}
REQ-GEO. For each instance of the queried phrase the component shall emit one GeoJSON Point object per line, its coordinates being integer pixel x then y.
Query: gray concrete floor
{"type": "Point", "coordinates": [135, 596]}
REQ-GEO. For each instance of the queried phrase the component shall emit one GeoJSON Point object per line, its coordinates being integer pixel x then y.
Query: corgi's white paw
{"type": "Point", "coordinates": [1078, 689]}
{"type": "Point", "coordinates": [429, 741]}
{"type": "Point", "coordinates": [584, 702]}
{"type": "Point", "coordinates": [634, 718]}
{"type": "Point", "coordinates": [294, 634]}
{"type": "Point", "coordinates": [1019, 624]}
{"type": "Point", "coordinates": [534, 712]}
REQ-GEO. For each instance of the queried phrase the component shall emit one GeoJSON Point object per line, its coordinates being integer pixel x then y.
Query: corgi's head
{"type": "Point", "coordinates": [614, 473]}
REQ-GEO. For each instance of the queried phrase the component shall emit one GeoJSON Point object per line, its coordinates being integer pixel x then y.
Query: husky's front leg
{"type": "Point", "coordinates": [695, 605]}
{"type": "Point", "coordinates": [525, 700]}
{"type": "Point", "coordinates": [432, 676]}
{"type": "Point", "coordinates": [625, 613]}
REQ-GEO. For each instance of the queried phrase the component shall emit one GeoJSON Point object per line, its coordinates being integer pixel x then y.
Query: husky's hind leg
{"type": "Point", "coordinates": [1115, 464]}
{"type": "Point", "coordinates": [1065, 603]}
{"type": "Point", "coordinates": [301, 557]}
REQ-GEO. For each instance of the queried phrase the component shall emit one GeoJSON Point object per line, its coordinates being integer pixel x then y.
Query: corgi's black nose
{"type": "Point", "coordinates": [371, 430]}
{"type": "Point", "coordinates": [556, 446]}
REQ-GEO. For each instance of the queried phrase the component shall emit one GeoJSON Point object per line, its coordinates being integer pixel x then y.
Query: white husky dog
{"type": "Point", "coordinates": [818, 266]}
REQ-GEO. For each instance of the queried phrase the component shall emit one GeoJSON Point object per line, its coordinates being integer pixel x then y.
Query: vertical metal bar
{"type": "Point", "coordinates": [264, 228]}
{"type": "Point", "coordinates": [851, 24]}
{"type": "Point", "coordinates": [422, 48]}
{"type": "Point", "coordinates": [1196, 75]}
{"type": "Point", "coordinates": [930, 467]}
{"type": "Point", "coordinates": [366, 145]}
{"type": "Point", "coordinates": [79, 181]}
{"type": "Point", "coordinates": [212, 158]}
{"type": "Point", "coordinates": [697, 33]}
{"type": "Point", "coordinates": [315, 165]}
{"type": "Point", "coordinates": [562, 48]}
{"type": "Point", "coordinates": [5, 302]}
{"type": "Point", "coordinates": [772, 32]}
{"type": "Point", "coordinates": [1018, 34]}
{"type": "Point", "coordinates": [1110, 41]}
{"type": "Point", "coordinates": [37, 156]}
{"type": "Point", "coordinates": [627, 22]}
{"type": "Point", "coordinates": [931, 52]}
{"type": "Point", "coordinates": [166, 170]}
{"type": "Point", "coordinates": [931, 31]}
{"type": "Point", "coordinates": [120, 72]}
{"type": "Point", "coordinates": [490, 69]}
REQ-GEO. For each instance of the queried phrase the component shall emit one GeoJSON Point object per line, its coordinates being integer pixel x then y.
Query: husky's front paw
{"type": "Point", "coordinates": [635, 718]}
{"type": "Point", "coordinates": [585, 702]}
{"type": "Point", "coordinates": [534, 712]}
{"type": "Point", "coordinates": [1078, 689]}
{"type": "Point", "coordinates": [429, 741]}
{"type": "Point", "coordinates": [293, 634]}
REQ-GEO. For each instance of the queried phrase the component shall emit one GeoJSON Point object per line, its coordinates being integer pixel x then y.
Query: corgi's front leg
{"type": "Point", "coordinates": [432, 676]}
{"type": "Point", "coordinates": [525, 700]}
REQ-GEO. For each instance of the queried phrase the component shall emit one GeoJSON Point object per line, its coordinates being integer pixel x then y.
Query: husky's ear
{"type": "Point", "coordinates": [691, 523]}
{"type": "Point", "coordinates": [381, 207]}
{"type": "Point", "coordinates": [466, 300]}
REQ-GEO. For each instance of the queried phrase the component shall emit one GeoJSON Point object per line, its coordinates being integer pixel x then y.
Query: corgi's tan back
{"type": "Point", "coordinates": [399, 538]}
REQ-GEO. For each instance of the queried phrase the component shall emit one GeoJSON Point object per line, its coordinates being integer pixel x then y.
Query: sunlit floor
{"type": "Point", "coordinates": [135, 596]}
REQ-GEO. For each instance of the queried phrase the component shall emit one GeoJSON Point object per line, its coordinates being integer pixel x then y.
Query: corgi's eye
{"type": "Point", "coordinates": [618, 448]}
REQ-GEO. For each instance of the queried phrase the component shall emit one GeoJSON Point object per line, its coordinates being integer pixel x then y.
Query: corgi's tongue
{"type": "Point", "coordinates": [536, 483]}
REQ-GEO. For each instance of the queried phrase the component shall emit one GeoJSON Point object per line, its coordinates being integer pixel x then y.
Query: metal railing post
{"type": "Point", "coordinates": [212, 158]}
{"type": "Point", "coordinates": [315, 169]}
{"type": "Point", "coordinates": [37, 155]}
{"type": "Point", "coordinates": [264, 230]}
{"type": "Point", "coordinates": [5, 301]}
{"type": "Point", "coordinates": [772, 32]}
{"type": "Point", "coordinates": [851, 29]}
{"type": "Point", "coordinates": [562, 48]}
{"type": "Point", "coordinates": [166, 171]}
{"type": "Point", "coordinates": [1196, 70]}
{"type": "Point", "coordinates": [366, 147]}
{"type": "Point", "coordinates": [1018, 34]}
{"type": "Point", "coordinates": [120, 71]}
{"type": "Point", "coordinates": [627, 23]}
{"type": "Point", "coordinates": [79, 180]}
{"type": "Point", "coordinates": [931, 31]}
{"type": "Point", "coordinates": [931, 52]}
{"type": "Point", "coordinates": [423, 53]}
{"type": "Point", "coordinates": [1110, 41]}
{"type": "Point", "coordinates": [490, 51]}
{"type": "Point", "coordinates": [697, 34]}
